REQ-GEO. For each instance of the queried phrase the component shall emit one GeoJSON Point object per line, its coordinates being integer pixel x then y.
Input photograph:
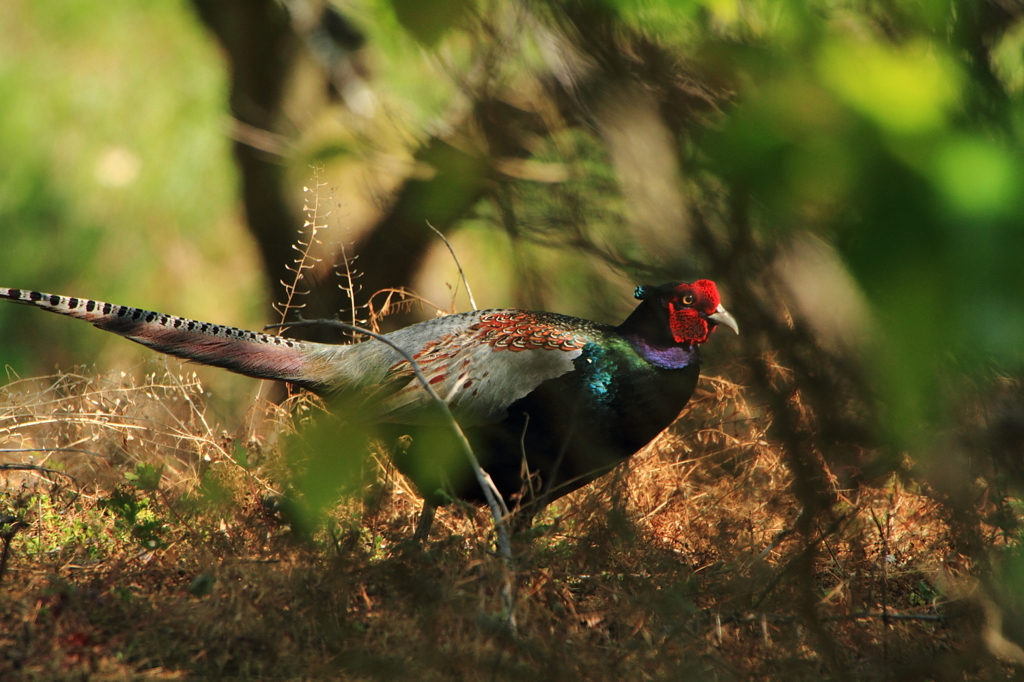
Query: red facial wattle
{"type": "Point", "coordinates": [686, 324]}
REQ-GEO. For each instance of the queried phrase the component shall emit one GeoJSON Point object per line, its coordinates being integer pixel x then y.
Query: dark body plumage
{"type": "Point", "coordinates": [572, 428]}
{"type": "Point", "coordinates": [570, 396]}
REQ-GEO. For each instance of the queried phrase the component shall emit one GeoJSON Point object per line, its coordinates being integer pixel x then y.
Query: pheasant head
{"type": "Point", "coordinates": [677, 314]}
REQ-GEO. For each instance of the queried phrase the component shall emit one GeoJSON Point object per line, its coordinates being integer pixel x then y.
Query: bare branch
{"type": "Point", "coordinates": [499, 510]}
{"type": "Point", "coordinates": [462, 274]}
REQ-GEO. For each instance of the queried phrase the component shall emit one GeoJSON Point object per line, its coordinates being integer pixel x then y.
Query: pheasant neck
{"type": "Point", "coordinates": [667, 357]}
{"type": "Point", "coordinates": [647, 331]}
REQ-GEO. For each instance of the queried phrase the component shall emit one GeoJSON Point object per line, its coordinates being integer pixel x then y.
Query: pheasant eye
{"type": "Point", "coordinates": [688, 299]}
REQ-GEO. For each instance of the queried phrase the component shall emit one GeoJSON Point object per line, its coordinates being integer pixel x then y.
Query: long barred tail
{"type": "Point", "coordinates": [251, 353]}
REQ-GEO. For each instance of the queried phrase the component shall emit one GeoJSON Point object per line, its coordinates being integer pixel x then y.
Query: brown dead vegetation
{"type": "Point", "coordinates": [145, 543]}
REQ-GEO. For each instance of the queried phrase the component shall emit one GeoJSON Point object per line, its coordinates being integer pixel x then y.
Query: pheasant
{"type": "Point", "coordinates": [549, 402]}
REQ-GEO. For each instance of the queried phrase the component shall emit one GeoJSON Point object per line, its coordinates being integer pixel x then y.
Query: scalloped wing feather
{"type": "Point", "coordinates": [479, 363]}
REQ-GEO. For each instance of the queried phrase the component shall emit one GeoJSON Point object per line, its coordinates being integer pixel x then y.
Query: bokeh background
{"type": "Point", "coordinates": [851, 173]}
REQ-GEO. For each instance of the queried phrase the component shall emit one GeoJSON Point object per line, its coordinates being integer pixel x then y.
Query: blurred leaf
{"type": "Point", "coordinates": [429, 21]}
{"type": "Point", "coordinates": [146, 476]}
{"type": "Point", "coordinates": [213, 492]}
{"type": "Point", "coordinates": [241, 455]}
{"type": "Point", "coordinates": [327, 460]}
{"type": "Point", "coordinates": [906, 89]}
{"type": "Point", "coordinates": [980, 177]}
{"type": "Point", "coordinates": [329, 151]}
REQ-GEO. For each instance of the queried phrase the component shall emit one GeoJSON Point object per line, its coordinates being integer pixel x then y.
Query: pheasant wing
{"type": "Point", "coordinates": [481, 363]}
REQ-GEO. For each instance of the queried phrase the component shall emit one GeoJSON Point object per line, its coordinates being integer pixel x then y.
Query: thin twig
{"type": "Point", "coordinates": [36, 467]}
{"type": "Point", "coordinates": [462, 274]}
{"type": "Point", "coordinates": [406, 300]}
{"type": "Point", "coordinates": [305, 261]}
{"type": "Point", "coordinates": [86, 452]}
{"type": "Point", "coordinates": [718, 618]}
{"type": "Point", "coordinates": [494, 499]}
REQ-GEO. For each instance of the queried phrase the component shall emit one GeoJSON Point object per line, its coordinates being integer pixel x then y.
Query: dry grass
{"type": "Point", "coordinates": [161, 558]}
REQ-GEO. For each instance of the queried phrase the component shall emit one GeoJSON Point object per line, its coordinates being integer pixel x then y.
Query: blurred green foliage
{"type": "Point", "coordinates": [892, 131]}
{"type": "Point", "coordinates": [117, 181]}
{"type": "Point", "coordinates": [883, 129]}
{"type": "Point", "coordinates": [890, 144]}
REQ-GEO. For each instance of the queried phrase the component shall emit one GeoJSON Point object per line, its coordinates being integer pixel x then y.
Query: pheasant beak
{"type": "Point", "coordinates": [722, 316]}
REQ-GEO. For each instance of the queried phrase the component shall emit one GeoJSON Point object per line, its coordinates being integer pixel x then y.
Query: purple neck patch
{"type": "Point", "coordinates": [670, 357]}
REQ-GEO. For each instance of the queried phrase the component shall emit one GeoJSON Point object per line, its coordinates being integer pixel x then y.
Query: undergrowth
{"type": "Point", "coordinates": [147, 543]}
